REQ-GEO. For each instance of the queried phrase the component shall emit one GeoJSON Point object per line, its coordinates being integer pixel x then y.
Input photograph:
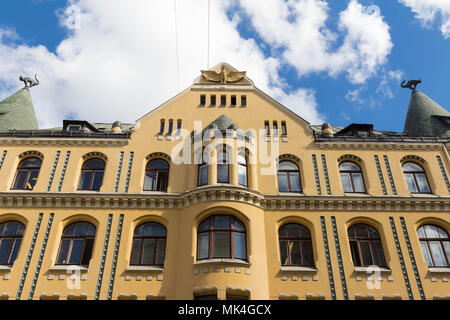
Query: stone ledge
{"type": "Point", "coordinates": [370, 270]}
{"type": "Point", "coordinates": [298, 269]}
{"type": "Point", "coordinates": [222, 261]}
{"type": "Point", "coordinates": [145, 268]}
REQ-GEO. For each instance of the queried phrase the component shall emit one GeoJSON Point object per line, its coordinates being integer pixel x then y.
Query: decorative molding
{"type": "Point", "coordinates": [339, 256]}
{"type": "Point", "coordinates": [63, 171]}
{"type": "Point", "coordinates": [411, 257]}
{"type": "Point", "coordinates": [52, 173]}
{"type": "Point", "coordinates": [325, 172]}
{"type": "Point", "coordinates": [114, 261]}
{"type": "Point", "coordinates": [288, 157]}
{"type": "Point", "coordinates": [103, 259]}
{"type": "Point", "coordinates": [400, 257]}
{"type": "Point", "coordinates": [29, 256]}
{"type": "Point", "coordinates": [31, 153]}
{"type": "Point", "coordinates": [346, 145]}
{"type": "Point", "coordinates": [161, 200]}
{"type": "Point", "coordinates": [119, 171]}
{"type": "Point", "coordinates": [349, 157]}
{"type": "Point", "coordinates": [3, 158]}
{"type": "Point", "coordinates": [328, 258]}
{"type": "Point", "coordinates": [391, 179]}
{"type": "Point", "coordinates": [41, 257]}
{"type": "Point", "coordinates": [380, 174]}
{"type": "Point", "coordinates": [128, 176]}
{"type": "Point", "coordinates": [14, 141]}
{"type": "Point", "coordinates": [441, 166]}
{"type": "Point", "coordinates": [158, 155]}
{"type": "Point", "coordinates": [410, 157]}
{"type": "Point", "coordinates": [95, 154]}
{"type": "Point", "coordinates": [316, 175]}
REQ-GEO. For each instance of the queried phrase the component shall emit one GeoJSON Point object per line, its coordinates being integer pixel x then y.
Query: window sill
{"type": "Point", "coordinates": [356, 194]}
{"type": "Point", "coordinates": [437, 270]}
{"type": "Point", "coordinates": [426, 195]}
{"type": "Point", "coordinates": [5, 268]}
{"type": "Point", "coordinates": [145, 268]}
{"type": "Point", "coordinates": [68, 268]}
{"type": "Point", "coordinates": [372, 269]}
{"type": "Point", "coordinates": [298, 269]}
{"type": "Point", "coordinates": [223, 261]}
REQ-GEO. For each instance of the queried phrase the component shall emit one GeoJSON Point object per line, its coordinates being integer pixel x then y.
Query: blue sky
{"type": "Point", "coordinates": [92, 72]}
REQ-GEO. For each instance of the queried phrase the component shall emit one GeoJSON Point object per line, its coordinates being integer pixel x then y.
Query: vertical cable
{"type": "Point", "coordinates": [176, 43]}
{"type": "Point", "coordinates": [209, 11]}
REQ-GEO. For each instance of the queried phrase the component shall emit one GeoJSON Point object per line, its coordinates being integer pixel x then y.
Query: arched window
{"type": "Point", "coordinates": [149, 245]}
{"type": "Point", "coordinates": [435, 244]}
{"type": "Point", "coordinates": [242, 169]}
{"type": "Point", "coordinates": [351, 177]}
{"type": "Point", "coordinates": [365, 245]}
{"type": "Point", "coordinates": [156, 175]}
{"type": "Point", "coordinates": [92, 175]}
{"type": "Point", "coordinates": [203, 172]}
{"type": "Point", "coordinates": [416, 178]}
{"type": "Point", "coordinates": [77, 243]}
{"type": "Point", "coordinates": [221, 236]}
{"type": "Point", "coordinates": [288, 177]}
{"type": "Point", "coordinates": [11, 233]}
{"type": "Point", "coordinates": [223, 175]}
{"type": "Point", "coordinates": [295, 245]}
{"type": "Point", "coordinates": [27, 173]}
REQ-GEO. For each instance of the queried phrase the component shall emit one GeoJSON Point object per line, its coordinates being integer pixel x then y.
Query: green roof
{"type": "Point", "coordinates": [425, 118]}
{"type": "Point", "coordinates": [17, 112]}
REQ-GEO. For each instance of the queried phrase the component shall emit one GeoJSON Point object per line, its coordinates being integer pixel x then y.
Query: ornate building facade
{"type": "Point", "coordinates": [224, 193]}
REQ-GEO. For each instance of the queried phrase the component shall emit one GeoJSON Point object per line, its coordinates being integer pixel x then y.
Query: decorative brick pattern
{"type": "Point", "coordinates": [327, 255]}
{"type": "Point", "coordinates": [52, 173]}
{"type": "Point", "coordinates": [102, 261]}
{"type": "Point", "coordinates": [380, 174]}
{"type": "Point", "coordinates": [114, 261]}
{"type": "Point", "coordinates": [339, 256]}
{"type": "Point", "coordinates": [316, 175]}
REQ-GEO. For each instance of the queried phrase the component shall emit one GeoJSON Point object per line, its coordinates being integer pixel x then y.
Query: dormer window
{"type": "Point", "coordinates": [363, 133]}
{"type": "Point", "coordinates": [74, 128]}
{"type": "Point", "coordinates": [357, 129]}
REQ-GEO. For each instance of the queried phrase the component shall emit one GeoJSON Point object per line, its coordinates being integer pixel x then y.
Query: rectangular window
{"type": "Point", "coordinates": [222, 244]}
{"type": "Point", "coordinates": [161, 127]}
{"type": "Point", "coordinates": [275, 129]}
{"type": "Point", "coordinates": [243, 101]}
{"type": "Point", "coordinates": [178, 127]}
{"type": "Point", "coordinates": [170, 127]}
{"type": "Point", "coordinates": [223, 100]}
{"type": "Point", "coordinates": [233, 100]}
{"type": "Point", "coordinates": [74, 128]}
{"type": "Point", "coordinates": [283, 128]}
{"type": "Point", "coordinates": [203, 245]}
{"type": "Point", "coordinates": [202, 100]}
{"type": "Point", "coordinates": [213, 100]}
{"type": "Point", "coordinates": [267, 128]}
{"type": "Point", "coordinates": [240, 246]}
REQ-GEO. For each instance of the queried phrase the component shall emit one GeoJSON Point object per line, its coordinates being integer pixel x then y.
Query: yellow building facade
{"type": "Point", "coordinates": [222, 192]}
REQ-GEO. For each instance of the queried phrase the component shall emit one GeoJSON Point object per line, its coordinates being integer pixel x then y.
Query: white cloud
{"type": "Point", "coordinates": [118, 61]}
{"type": "Point", "coordinates": [298, 28]}
{"type": "Point", "coordinates": [432, 11]}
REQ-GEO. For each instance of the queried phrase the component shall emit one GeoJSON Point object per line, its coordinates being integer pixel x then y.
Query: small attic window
{"type": "Point", "coordinates": [74, 128]}
{"type": "Point", "coordinates": [363, 133]}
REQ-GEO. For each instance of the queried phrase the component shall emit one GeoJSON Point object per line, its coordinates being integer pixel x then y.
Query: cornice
{"type": "Point", "coordinates": [341, 145]}
{"type": "Point", "coordinates": [151, 200]}
{"type": "Point", "coordinates": [14, 141]}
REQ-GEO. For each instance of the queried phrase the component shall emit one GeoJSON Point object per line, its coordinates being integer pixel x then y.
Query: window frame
{"type": "Point", "coordinates": [211, 239]}
{"type": "Point", "coordinates": [227, 163]}
{"type": "Point", "coordinates": [144, 237]}
{"type": "Point", "coordinates": [414, 173]}
{"type": "Point", "coordinates": [350, 173]}
{"type": "Point", "coordinates": [201, 165]}
{"type": "Point", "coordinates": [14, 237]}
{"type": "Point", "coordinates": [301, 240]}
{"type": "Point", "coordinates": [245, 165]}
{"type": "Point", "coordinates": [71, 239]}
{"type": "Point", "coordinates": [28, 171]}
{"type": "Point", "coordinates": [441, 242]}
{"type": "Point", "coordinates": [287, 171]}
{"type": "Point", "coordinates": [92, 171]}
{"type": "Point", "coordinates": [357, 239]}
{"type": "Point", "coordinates": [157, 174]}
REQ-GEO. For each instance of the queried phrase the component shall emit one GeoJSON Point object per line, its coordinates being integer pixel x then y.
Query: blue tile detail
{"type": "Point", "coordinates": [400, 257]}
{"type": "Point", "coordinates": [380, 174]}
{"type": "Point", "coordinates": [29, 256]}
{"type": "Point", "coordinates": [119, 171]}
{"type": "Point", "coordinates": [63, 172]}
{"type": "Point", "coordinates": [325, 172]}
{"type": "Point", "coordinates": [327, 255]}
{"type": "Point", "coordinates": [103, 259]}
{"type": "Point", "coordinates": [114, 262]}
{"type": "Point", "coordinates": [339, 256]}
{"type": "Point", "coordinates": [316, 175]}
{"type": "Point", "coordinates": [52, 173]}
{"type": "Point", "coordinates": [41, 257]}
{"type": "Point", "coordinates": [441, 166]}
{"type": "Point", "coordinates": [130, 164]}
{"type": "Point", "coordinates": [391, 179]}
{"type": "Point", "coordinates": [2, 159]}
{"type": "Point", "coordinates": [413, 260]}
